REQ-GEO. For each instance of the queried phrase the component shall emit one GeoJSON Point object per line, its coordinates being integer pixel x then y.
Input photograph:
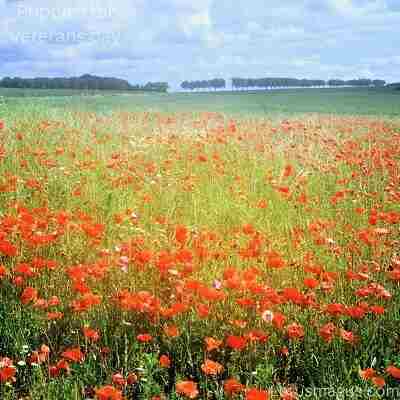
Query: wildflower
{"type": "Point", "coordinates": [232, 387]}
{"type": "Point", "coordinates": [210, 367]}
{"type": "Point", "coordinates": [63, 365]}
{"type": "Point", "coordinates": [240, 323]}
{"type": "Point", "coordinates": [378, 381]}
{"type": "Point", "coordinates": [85, 302]}
{"type": "Point", "coordinates": [187, 388]}
{"type": "Point", "coordinates": [171, 331]}
{"type": "Point", "coordinates": [202, 311]}
{"type": "Point", "coordinates": [165, 361]}
{"type": "Point", "coordinates": [284, 351]}
{"type": "Point", "coordinates": [378, 310]}
{"type": "Point", "coordinates": [28, 295]}
{"type": "Point", "coordinates": [255, 394]}
{"type": "Point", "coordinates": [327, 332]}
{"type": "Point", "coordinates": [91, 334]}
{"type": "Point", "coordinates": [40, 356]}
{"type": "Point", "coordinates": [294, 295]}
{"type": "Point", "coordinates": [311, 283]}
{"type": "Point", "coordinates": [144, 338]}
{"type": "Point", "coordinates": [131, 378]}
{"type": "Point", "coordinates": [288, 171]}
{"type": "Point", "coordinates": [3, 271]}
{"type": "Point", "coordinates": [108, 393]}
{"type": "Point", "coordinates": [7, 370]}
{"type": "Point", "coordinates": [7, 248]}
{"type": "Point", "coordinates": [54, 372]}
{"type": "Point", "coordinates": [55, 315]}
{"type": "Point", "coordinates": [267, 316]}
{"type": "Point", "coordinates": [257, 336]}
{"type": "Point", "coordinates": [288, 394]}
{"type": "Point", "coordinates": [275, 260]}
{"type": "Point", "coordinates": [73, 354]}
{"type": "Point", "coordinates": [217, 284]}
{"type": "Point", "coordinates": [212, 344]}
{"type": "Point", "coordinates": [295, 331]}
{"type": "Point", "coordinates": [278, 320]}
{"type": "Point", "coordinates": [7, 373]}
{"type": "Point", "coordinates": [348, 336]}
{"type": "Point", "coordinates": [118, 379]}
{"type": "Point", "coordinates": [356, 312]}
{"type": "Point", "coordinates": [236, 342]}
{"type": "Point", "coordinates": [367, 373]}
{"type": "Point", "coordinates": [336, 309]}
{"type": "Point", "coordinates": [181, 234]}
{"type": "Point", "coordinates": [262, 204]}
{"type": "Point", "coordinates": [393, 371]}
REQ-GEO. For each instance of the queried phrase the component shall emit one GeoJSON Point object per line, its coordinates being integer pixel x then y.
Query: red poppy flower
{"type": "Point", "coordinates": [181, 234]}
{"type": "Point", "coordinates": [118, 379]}
{"type": "Point", "coordinates": [348, 336]}
{"type": "Point", "coordinates": [108, 393]}
{"type": "Point", "coordinates": [165, 361]}
{"type": "Point", "coordinates": [91, 334]}
{"type": "Point", "coordinates": [295, 331]}
{"type": "Point", "coordinates": [327, 332]}
{"type": "Point", "coordinates": [171, 331]}
{"type": "Point", "coordinates": [29, 294]}
{"type": "Point", "coordinates": [210, 367]}
{"type": "Point", "coordinates": [187, 388]}
{"type": "Point", "coordinates": [73, 354]}
{"type": "Point", "coordinates": [278, 320]}
{"type": "Point", "coordinates": [232, 386]}
{"type": "Point", "coordinates": [367, 373]}
{"type": "Point", "coordinates": [288, 394]}
{"type": "Point", "coordinates": [236, 342]}
{"type": "Point", "coordinates": [393, 371]}
{"type": "Point", "coordinates": [144, 337]}
{"type": "Point", "coordinates": [378, 381]}
{"type": "Point", "coordinates": [3, 271]}
{"type": "Point", "coordinates": [212, 344]}
{"type": "Point", "coordinates": [7, 370]}
{"type": "Point", "coordinates": [255, 394]}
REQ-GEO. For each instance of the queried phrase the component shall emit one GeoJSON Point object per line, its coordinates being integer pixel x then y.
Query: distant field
{"type": "Point", "coordinates": [350, 101]}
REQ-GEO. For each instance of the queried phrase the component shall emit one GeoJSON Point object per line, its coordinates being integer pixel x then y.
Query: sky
{"type": "Point", "coordinates": [176, 40]}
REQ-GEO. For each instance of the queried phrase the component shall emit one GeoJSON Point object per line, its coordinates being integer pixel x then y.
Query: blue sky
{"type": "Point", "coordinates": [175, 40]}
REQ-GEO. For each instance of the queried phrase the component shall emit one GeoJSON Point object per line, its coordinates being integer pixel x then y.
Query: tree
{"type": "Point", "coordinates": [395, 85]}
{"type": "Point", "coordinates": [185, 85]}
{"type": "Point", "coordinates": [216, 83]}
{"type": "Point", "coordinates": [379, 82]}
{"type": "Point", "coordinates": [84, 82]}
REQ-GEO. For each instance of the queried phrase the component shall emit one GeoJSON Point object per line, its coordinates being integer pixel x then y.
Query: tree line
{"type": "Point", "coordinates": [92, 82]}
{"type": "Point", "coordinates": [269, 83]}
{"type": "Point", "coordinates": [210, 84]}
{"type": "Point", "coordinates": [84, 82]}
{"type": "Point", "coordinates": [395, 85]}
{"type": "Point", "coordinates": [265, 83]}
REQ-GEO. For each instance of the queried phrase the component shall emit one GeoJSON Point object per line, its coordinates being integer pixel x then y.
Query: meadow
{"type": "Point", "coordinates": [205, 246]}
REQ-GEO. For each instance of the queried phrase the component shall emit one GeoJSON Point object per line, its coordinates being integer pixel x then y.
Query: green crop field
{"type": "Point", "coordinates": [384, 102]}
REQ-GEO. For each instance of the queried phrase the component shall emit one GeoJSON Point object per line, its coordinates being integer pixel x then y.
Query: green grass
{"type": "Point", "coordinates": [349, 101]}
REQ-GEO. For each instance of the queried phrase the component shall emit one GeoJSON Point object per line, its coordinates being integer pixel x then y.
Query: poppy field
{"type": "Point", "coordinates": [149, 255]}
